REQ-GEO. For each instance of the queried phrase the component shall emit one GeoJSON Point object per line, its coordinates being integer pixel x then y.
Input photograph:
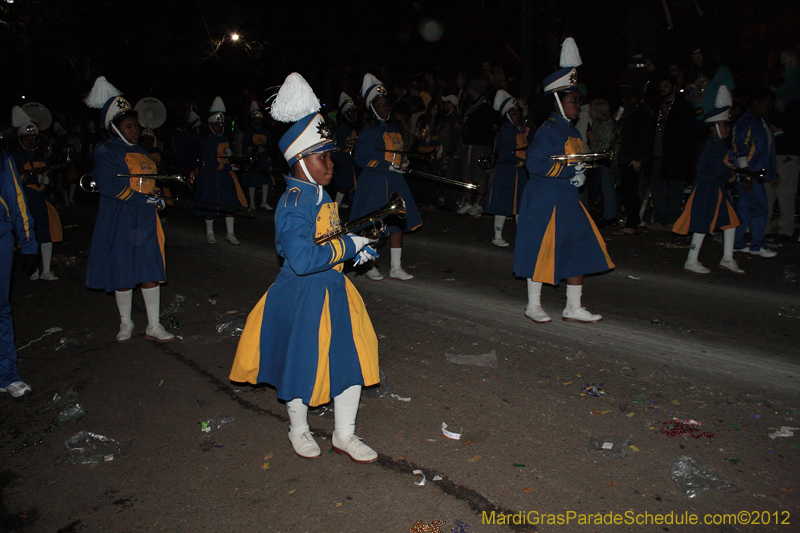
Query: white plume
{"type": "Point", "coordinates": [295, 100]}
{"type": "Point", "coordinates": [218, 106]}
{"type": "Point", "coordinates": [19, 117]}
{"type": "Point", "coordinates": [570, 57]}
{"type": "Point", "coordinates": [724, 98]}
{"type": "Point", "coordinates": [101, 92]}
{"type": "Point", "coordinates": [500, 97]}
{"type": "Point", "coordinates": [369, 81]}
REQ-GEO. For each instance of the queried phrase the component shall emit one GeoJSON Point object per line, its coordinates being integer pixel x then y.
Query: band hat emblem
{"type": "Point", "coordinates": [504, 102]}
{"type": "Point", "coordinates": [372, 88]}
{"type": "Point", "coordinates": [20, 120]}
{"type": "Point", "coordinates": [296, 102]}
{"type": "Point", "coordinates": [566, 78]}
{"type": "Point", "coordinates": [255, 112]}
{"type": "Point", "coordinates": [722, 107]}
{"type": "Point", "coordinates": [217, 112]}
{"type": "Point", "coordinates": [108, 99]}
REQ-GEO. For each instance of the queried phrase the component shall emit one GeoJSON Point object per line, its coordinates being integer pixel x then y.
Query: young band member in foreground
{"type": "Point", "coordinates": [709, 207]}
{"type": "Point", "coordinates": [127, 245]}
{"type": "Point", "coordinates": [556, 237]}
{"type": "Point", "coordinates": [310, 336]}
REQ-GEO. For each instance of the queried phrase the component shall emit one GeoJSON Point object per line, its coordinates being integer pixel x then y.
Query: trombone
{"type": "Point", "coordinates": [427, 158]}
{"type": "Point", "coordinates": [427, 175]}
{"type": "Point", "coordinates": [395, 206]}
{"type": "Point", "coordinates": [88, 184]}
{"type": "Point", "coordinates": [590, 160]}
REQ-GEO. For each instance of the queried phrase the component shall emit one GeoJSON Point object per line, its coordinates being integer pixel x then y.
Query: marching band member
{"type": "Point", "coordinates": [38, 184]}
{"type": "Point", "coordinates": [346, 135]}
{"type": "Point", "coordinates": [186, 145]}
{"type": "Point", "coordinates": [382, 173]}
{"type": "Point", "coordinates": [15, 220]}
{"type": "Point", "coordinates": [510, 174]}
{"type": "Point", "coordinates": [556, 237]}
{"type": "Point", "coordinates": [217, 191]}
{"type": "Point", "coordinates": [154, 152]}
{"type": "Point", "coordinates": [309, 336]}
{"type": "Point", "coordinates": [127, 247]}
{"type": "Point", "coordinates": [64, 153]}
{"type": "Point", "coordinates": [256, 142]}
{"type": "Point", "coordinates": [709, 207]}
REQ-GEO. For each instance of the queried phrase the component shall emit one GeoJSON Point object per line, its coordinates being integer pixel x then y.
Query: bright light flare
{"type": "Point", "coordinates": [234, 36]}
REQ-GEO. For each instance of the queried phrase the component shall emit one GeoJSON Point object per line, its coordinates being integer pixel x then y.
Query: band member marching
{"type": "Point", "coordinates": [510, 175]}
{"type": "Point", "coordinates": [345, 175]}
{"type": "Point", "coordinates": [309, 336]}
{"type": "Point", "coordinates": [127, 247]}
{"type": "Point", "coordinates": [709, 207]}
{"type": "Point", "coordinates": [382, 173]}
{"type": "Point", "coordinates": [217, 191]}
{"type": "Point", "coordinates": [256, 143]}
{"type": "Point", "coordinates": [32, 166]}
{"type": "Point", "coordinates": [556, 237]}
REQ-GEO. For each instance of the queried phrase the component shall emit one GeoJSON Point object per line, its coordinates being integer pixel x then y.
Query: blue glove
{"type": "Point", "coordinates": [578, 180]}
{"type": "Point", "coordinates": [158, 202]}
{"type": "Point", "coordinates": [366, 254]}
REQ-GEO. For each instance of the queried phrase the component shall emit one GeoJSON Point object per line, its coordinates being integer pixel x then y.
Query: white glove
{"type": "Point", "coordinates": [44, 180]}
{"type": "Point", "coordinates": [404, 162]}
{"type": "Point", "coordinates": [578, 180]}
{"type": "Point", "coordinates": [235, 168]}
{"type": "Point", "coordinates": [158, 202]}
{"type": "Point", "coordinates": [359, 242]}
{"type": "Point", "coordinates": [367, 254]}
{"type": "Point", "coordinates": [398, 169]}
{"type": "Point", "coordinates": [580, 168]}
{"type": "Point", "coordinates": [228, 152]}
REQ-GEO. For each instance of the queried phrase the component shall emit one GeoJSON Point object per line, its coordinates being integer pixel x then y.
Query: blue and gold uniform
{"type": "Point", "coordinates": [709, 207]}
{"type": "Point", "coordinates": [256, 142]}
{"type": "Point", "coordinates": [556, 238]}
{"type": "Point", "coordinates": [376, 182]}
{"type": "Point", "coordinates": [510, 174]}
{"type": "Point", "coordinates": [16, 221]}
{"type": "Point", "coordinates": [309, 336]}
{"type": "Point", "coordinates": [45, 216]}
{"type": "Point", "coordinates": [128, 243]}
{"type": "Point", "coordinates": [216, 184]}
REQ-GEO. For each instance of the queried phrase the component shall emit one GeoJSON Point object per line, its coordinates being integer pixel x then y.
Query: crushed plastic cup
{"type": "Point", "coordinates": [90, 448]}
{"type": "Point", "coordinates": [67, 344]}
{"type": "Point", "coordinates": [67, 405]}
{"type": "Point", "coordinates": [217, 422]}
{"type": "Point", "coordinates": [692, 478]}
{"type": "Point", "coordinates": [381, 389]}
{"type": "Point", "coordinates": [176, 305]}
{"type": "Point", "coordinates": [231, 324]}
{"type": "Point", "coordinates": [610, 446]}
{"type": "Point", "coordinates": [488, 360]}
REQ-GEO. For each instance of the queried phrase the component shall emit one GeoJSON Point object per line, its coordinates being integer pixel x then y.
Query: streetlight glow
{"type": "Point", "coordinates": [234, 37]}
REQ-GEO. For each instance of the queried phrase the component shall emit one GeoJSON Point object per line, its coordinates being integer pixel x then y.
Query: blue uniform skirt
{"type": "Point", "coordinates": [708, 208]}
{"type": "Point", "coordinates": [506, 189]}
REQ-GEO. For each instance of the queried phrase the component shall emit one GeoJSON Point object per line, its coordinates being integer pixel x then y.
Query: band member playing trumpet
{"type": "Point", "coordinates": [556, 238]}
{"type": "Point", "coordinates": [38, 184]}
{"type": "Point", "coordinates": [256, 143]}
{"type": "Point", "coordinates": [382, 173]}
{"type": "Point", "coordinates": [510, 175]}
{"type": "Point", "coordinates": [309, 336]}
{"type": "Point", "coordinates": [709, 207]}
{"type": "Point", "coordinates": [127, 247]}
{"type": "Point", "coordinates": [345, 174]}
{"type": "Point", "coordinates": [216, 187]}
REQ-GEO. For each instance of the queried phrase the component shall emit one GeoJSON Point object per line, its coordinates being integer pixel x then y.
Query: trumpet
{"type": "Point", "coordinates": [88, 184]}
{"type": "Point", "coordinates": [428, 158]}
{"type": "Point", "coordinates": [745, 175]}
{"type": "Point", "coordinates": [395, 206]}
{"type": "Point", "coordinates": [590, 160]}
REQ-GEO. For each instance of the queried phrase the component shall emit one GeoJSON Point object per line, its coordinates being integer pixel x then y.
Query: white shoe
{"type": "Point", "coordinates": [764, 252]}
{"type": "Point", "coordinates": [696, 267]}
{"type": "Point", "coordinates": [580, 314]}
{"type": "Point", "coordinates": [48, 276]}
{"type": "Point", "coordinates": [231, 238]}
{"type": "Point", "coordinates": [17, 389]}
{"type": "Point", "coordinates": [125, 331]}
{"type": "Point", "coordinates": [158, 333]}
{"type": "Point", "coordinates": [35, 275]}
{"type": "Point", "coordinates": [266, 206]}
{"type": "Point", "coordinates": [731, 265]}
{"type": "Point", "coordinates": [462, 210]}
{"type": "Point", "coordinates": [304, 445]}
{"type": "Point", "coordinates": [537, 314]}
{"type": "Point", "coordinates": [374, 274]}
{"type": "Point", "coordinates": [400, 274]}
{"type": "Point", "coordinates": [210, 238]}
{"type": "Point", "coordinates": [476, 210]}
{"type": "Point", "coordinates": [499, 241]}
{"type": "Point", "coordinates": [252, 207]}
{"type": "Point", "coordinates": [743, 250]}
{"type": "Point", "coordinates": [356, 450]}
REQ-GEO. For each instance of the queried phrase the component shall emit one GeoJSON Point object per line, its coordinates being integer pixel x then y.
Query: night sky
{"type": "Point", "coordinates": [53, 51]}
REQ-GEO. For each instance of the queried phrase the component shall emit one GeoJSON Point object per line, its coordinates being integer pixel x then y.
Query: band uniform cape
{"type": "Point", "coordinates": [510, 175]}
{"type": "Point", "coordinates": [376, 182]}
{"type": "Point", "coordinates": [216, 190]}
{"type": "Point", "coordinates": [47, 223]}
{"type": "Point", "coordinates": [128, 243]}
{"type": "Point", "coordinates": [556, 237]}
{"type": "Point", "coordinates": [256, 142]}
{"type": "Point", "coordinates": [709, 207]}
{"type": "Point", "coordinates": [309, 336]}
